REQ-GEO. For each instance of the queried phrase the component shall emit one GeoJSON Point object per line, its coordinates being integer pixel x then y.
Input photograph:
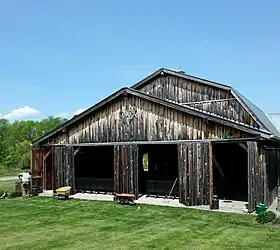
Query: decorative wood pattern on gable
{"type": "Point", "coordinates": [136, 119]}
{"type": "Point", "coordinates": [199, 96]}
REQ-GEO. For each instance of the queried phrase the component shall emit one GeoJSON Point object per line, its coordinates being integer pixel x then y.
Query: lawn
{"type": "Point", "coordinates": [8, 186]}
{"type": "Point", "coordinates": [4, 172]}
{"type": "Point", "coordinates": [48, 223]}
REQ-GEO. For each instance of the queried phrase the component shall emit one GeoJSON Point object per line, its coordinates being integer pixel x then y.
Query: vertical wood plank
{"type": "Point", "coordinates": [116, 168]}
{"type": "Point", "coordinates": [253, 166]}
{"type": "Point", "coordinates": [211, 177]}
{"type": "Point", "coordinates": [193, 167]}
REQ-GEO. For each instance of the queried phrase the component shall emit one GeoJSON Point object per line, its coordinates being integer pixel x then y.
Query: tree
{"type": "Point", "coordinates": [16, 138]}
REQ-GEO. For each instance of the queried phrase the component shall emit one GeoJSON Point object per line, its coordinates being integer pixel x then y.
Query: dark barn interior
{"type": "Point", "coordinates": [94, 169]}
{"type": "Point", "coordinates": [230, 171]}
{"type": "Point", "coordinates": [158, 170]}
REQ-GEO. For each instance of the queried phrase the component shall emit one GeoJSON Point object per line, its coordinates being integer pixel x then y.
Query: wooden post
{"type": "Point", "coordinates": [278, 179]}
{"type": "Point", "coordinates": [31, 165]}
{"type": "Point", "coordinates": [211, 176]}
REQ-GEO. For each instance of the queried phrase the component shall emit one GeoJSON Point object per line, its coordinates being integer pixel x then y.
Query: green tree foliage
{"type": "Point", "coordinates": [16, 137]}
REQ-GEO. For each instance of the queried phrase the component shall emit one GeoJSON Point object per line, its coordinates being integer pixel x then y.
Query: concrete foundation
{"type": "Point", "coordinates": [224, 206]}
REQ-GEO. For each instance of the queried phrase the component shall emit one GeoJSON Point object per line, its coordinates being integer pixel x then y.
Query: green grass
{"type": "Point", "coordinates": [4, 172]}
{"type": "Point", "coordinates": [8, 186]}
{"type": "Point", "coordinates": [48, 223]}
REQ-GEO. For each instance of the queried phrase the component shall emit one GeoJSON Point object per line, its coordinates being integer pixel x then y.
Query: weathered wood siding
{"type": "Point", "coordinates": [271, 162]}
{"type": "Point", "coordinates": [194, 173]}
{"type": "Point", "coordinates": [63, 165]}
{"type": "Point", "coordinates": [126, 169]}
{"type": "Point", "coordinates": [37, 165]}
{"type": "Point", "coordinates": [179, 90]}
{"type": "Point", "coordinates": [135, 119]}
{"type": "Point", "coordinates": [256, 176]}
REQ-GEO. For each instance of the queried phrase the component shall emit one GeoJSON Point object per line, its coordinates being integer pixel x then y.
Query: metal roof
{"type": "Point", "coordinates": [259, 114]}
{"type": "Point", "coordinates": [275, 118]}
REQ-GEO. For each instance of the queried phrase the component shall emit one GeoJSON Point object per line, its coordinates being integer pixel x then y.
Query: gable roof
{"type": "Point", "coordinates": [133, 92]}
{"type": "Point", "coordinates": [258, 114]}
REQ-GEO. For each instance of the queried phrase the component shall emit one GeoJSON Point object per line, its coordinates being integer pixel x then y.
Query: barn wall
{"type": "Point", "coordinates": [180, 90]}
{"type": "Point", "coordinates": [194, 173]}
{"type": "Point", "coordinates": [37, 166]}
{"type": "Point", "coordinates": [126, 169]}
{"type": "Point", "coordinates": [262, 175]}
{"type": "Point", "coordinates": [271, 163]}
{"type": "Point", "coordinates": [63, 167]}
{"type": "Point", "coordinates": [135, 119]}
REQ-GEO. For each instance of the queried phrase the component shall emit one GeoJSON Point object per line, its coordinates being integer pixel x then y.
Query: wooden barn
{"type": "Point", "coordinates": [170, 129]}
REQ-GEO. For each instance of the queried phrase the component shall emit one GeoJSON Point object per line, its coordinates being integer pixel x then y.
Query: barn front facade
{"type": "Point", "coordinates": [169, 134]}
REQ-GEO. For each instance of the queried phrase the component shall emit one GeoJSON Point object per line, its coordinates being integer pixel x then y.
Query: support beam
{"type": "Point", "coordinates": [236, 140]}
{"type": "Point", "coordinates": [77, 150]}
{"type": "Point", "coordinates": [47, 154]}
{"type": "Point", "coordinates": [216, 163]}
{"type": "Point", "coordinates": [243, 146]}
{"type": "Point", "coordinates": [31, 160]}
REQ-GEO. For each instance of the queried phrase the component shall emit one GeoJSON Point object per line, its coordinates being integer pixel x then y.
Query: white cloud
{"type": "Point", "coordinates": [79, 111]}
{"type": "Point", "coordinates": [20, 113]}
{"type": "Point", "coordinates": [62, 115]}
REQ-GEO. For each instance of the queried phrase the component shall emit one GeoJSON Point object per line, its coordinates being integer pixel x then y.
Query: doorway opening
{"type": "Point", "coordinates": [158, 170]}
{"type": "Point", "coordinates": [94, 169]}
{"type": "Point", "coordinates": [230, 171]}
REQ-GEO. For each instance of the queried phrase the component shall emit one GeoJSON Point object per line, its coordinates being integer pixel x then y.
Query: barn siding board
{"type": "Point", "coordinates": [193, 165]}
{"type": "Point", "coordinates": [63, 165]}
{"type": "Point", "coordinates": [270, 162]}
{"type": "Point", "coordinates": [257, 176]}
{"type": "Point", "coordinates": [132, 118]}
{"type": "Point", "coordinates": [180, 90]}
{"type": "Point", "coordinates": [37, 166]}
{"type": "Point", "coordinates": [126, 169]}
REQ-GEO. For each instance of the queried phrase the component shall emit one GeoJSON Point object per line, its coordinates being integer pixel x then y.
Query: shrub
{"type": "Point", "coordinates": [10, 194]}
{"type": "Point", "coordinates": [266, 217]}
{"type": "Point", "coordinates": [276, 221]}
{"type": "Point", "coordinates": [14, 194]}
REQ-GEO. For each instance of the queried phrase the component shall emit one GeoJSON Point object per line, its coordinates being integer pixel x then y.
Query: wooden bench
{"type": "Point", "coordinates": [125, 199]}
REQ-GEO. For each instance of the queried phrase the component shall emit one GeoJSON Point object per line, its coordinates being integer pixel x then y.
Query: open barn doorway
{"type": "Point", "coordinates": [94, 169]}
{"type": "Point", "coordinates": [158, 170]}
{"type": "Point", "coordinates": [230, 171]}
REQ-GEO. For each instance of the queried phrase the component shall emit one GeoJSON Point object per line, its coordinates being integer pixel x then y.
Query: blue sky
{"type": "Point", "coordinates": [60, 56]}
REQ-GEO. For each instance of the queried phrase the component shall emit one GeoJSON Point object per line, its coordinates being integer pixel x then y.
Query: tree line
{"type": "Point", "coordinates": [16, 137]}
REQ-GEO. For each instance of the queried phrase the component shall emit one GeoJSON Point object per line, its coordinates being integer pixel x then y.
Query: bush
{"type": "Point", "coordinates": [276, 221]}
{"type": "Point", "coordinates": [14, 194]}
{"type": "Point", "coordinates": [266, 217]}
{"type": "Point", "coordinates": [11, 194]}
